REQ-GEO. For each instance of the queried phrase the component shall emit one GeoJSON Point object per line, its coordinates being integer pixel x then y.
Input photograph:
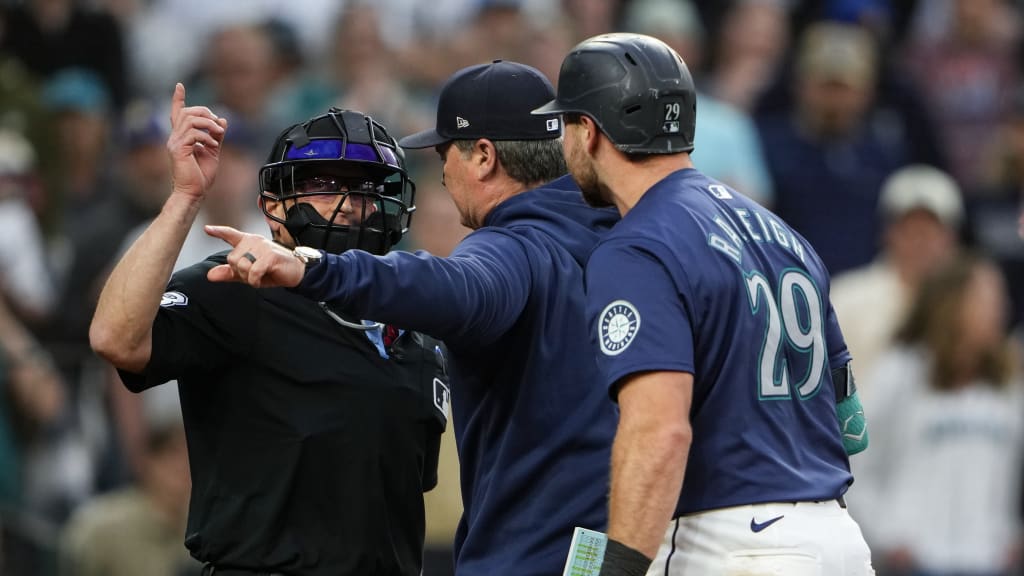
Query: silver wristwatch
{"type": "Point", "coordinates": [308, 256]}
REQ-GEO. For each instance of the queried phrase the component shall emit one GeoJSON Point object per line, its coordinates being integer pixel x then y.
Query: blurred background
{"type": "Point", "coordinates": [889, 133]}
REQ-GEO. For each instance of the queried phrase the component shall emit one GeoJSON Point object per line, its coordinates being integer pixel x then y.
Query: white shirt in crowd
{"type": "Point", "coordinates": [942, 474]}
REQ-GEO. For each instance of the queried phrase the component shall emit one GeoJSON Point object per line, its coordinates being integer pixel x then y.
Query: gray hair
{"type": "Point", "coordinates": [526, 161]}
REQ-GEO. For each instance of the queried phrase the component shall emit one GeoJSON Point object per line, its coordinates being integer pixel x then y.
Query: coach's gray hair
{"type": "Point", "coordinates": [528, 162]}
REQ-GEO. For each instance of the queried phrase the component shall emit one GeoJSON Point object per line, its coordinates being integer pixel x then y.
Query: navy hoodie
{"type": "Point", "coordinates": [533, 422]}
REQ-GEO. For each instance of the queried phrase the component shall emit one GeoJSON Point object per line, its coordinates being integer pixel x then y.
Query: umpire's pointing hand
{"type": "Point", "coordinates": [194, 145]}
{"type": "Point", "coordinates": [255, 260]}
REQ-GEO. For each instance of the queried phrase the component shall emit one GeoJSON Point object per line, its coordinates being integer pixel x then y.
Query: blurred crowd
{"type": "Point", "coordinates": [889, 133]}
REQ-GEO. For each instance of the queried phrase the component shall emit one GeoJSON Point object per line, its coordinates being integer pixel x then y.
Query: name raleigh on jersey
{"type": "Point", "coordinates": [759, 227]}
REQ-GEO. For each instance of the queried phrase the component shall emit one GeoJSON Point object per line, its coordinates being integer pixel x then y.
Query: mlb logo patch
{"type": "Point", "coordinates": [442, 397]}
{"type": "Point", "coordinates": [552, 124]}
{"type": "Point", "coordinates": [720, 192]}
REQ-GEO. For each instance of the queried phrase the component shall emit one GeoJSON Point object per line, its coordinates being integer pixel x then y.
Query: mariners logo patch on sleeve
{"type": "Point", "coordinates": [618, 325]}
{"type": "Point", "coordinates": [173, 299]}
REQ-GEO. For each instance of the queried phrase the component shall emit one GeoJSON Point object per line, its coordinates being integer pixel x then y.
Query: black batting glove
{"type": "Point", "coordinates": [621, 560]}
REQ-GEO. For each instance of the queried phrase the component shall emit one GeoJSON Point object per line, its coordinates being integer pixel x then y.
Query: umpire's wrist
{"type": "Point", "coordinates": [621, 560]}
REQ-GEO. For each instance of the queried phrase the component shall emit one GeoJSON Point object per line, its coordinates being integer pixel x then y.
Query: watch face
{"type": "Point", "coordinates": [307, 254]}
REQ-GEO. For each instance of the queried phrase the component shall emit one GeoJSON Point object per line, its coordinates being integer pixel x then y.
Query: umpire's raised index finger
{"type": "Point", "coordinates": [177, 101]}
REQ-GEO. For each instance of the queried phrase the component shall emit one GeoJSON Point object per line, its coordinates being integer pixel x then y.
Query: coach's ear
{"type": "Point", "coordinates": [484, 159]}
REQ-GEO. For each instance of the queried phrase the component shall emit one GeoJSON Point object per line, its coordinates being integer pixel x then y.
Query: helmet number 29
{"type": "Point", "coordinates": [671, 123]}
{"type": "Point", "coordinates": [794, 338]}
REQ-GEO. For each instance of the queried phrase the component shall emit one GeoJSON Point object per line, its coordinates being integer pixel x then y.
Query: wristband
{"type": "Point", "coordinates": [853, 425]}
{"type": "Point", "coordinates": [621, 560]}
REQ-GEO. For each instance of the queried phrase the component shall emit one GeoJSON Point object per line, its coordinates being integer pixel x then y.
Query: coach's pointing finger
{"type": "Point", "coordinates": [225, 233]}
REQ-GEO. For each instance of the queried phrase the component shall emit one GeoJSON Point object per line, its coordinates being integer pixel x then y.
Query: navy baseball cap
{"type": "Point", "coordinates": [491, 101]}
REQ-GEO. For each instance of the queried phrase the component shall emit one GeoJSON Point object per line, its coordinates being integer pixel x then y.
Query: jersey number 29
{"type": "Point", "coordinates": [795, 323]}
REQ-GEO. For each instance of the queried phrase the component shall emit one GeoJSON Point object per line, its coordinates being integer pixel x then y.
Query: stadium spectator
{"type": "Point", "coordinates": [940, 484]}
{"type": "Point", "coordinates": [730, 150]}
{"type": "Point", "coordinates": [993, 209]}
{"type": "Point", "coordinates": [966, 74]}
{"type": "Point", "coordinates": [750, 48]}
{"type": "Point", "coordinates": [830, 153]}
{"type": "Point", "coordinates": [922, 211]}
{"type": "Point", "coordinates": [53, 35]}
{"type": "Point", "coordinates": [137, 529]}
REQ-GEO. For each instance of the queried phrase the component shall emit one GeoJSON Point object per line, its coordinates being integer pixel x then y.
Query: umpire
{"type": "Point", "coordinates": [311, 436]}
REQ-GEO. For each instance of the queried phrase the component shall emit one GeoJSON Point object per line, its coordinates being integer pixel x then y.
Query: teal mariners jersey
{"type": "Point", "coordinates": [698, 278]}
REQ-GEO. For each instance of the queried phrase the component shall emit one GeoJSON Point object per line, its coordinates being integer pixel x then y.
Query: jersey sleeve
{"type": "Point", "coordinates": [200, 326]}
{"type": "Point", "coordinates": [638, 313]}
{"type": "Point", "coordinates": [472, 297]}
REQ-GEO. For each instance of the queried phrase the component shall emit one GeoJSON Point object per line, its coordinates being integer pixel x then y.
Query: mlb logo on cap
{"type": "Point", "coordinates": [490, 101]}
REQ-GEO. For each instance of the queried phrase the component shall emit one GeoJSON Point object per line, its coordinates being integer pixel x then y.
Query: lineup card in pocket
{"type": "Point", "coordinates": [586, 553]}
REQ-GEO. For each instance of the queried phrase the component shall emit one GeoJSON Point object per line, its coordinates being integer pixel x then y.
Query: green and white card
{"type": "Point", "coordinates": [586, 553]}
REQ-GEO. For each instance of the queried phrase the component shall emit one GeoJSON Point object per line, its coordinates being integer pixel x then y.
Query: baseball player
{"type": "Point", "coordinates": [712, 325]}
{"type": "Point", "coordinates": [533, 427]}
{"type": "Point", "coordinates": [311, 435]}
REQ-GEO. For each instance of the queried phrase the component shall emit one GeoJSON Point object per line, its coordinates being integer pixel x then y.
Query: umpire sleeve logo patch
{"type": "Point", "coordinates": [441, 397]}
{"type": "Point", "coordinates": [173, 299]}
{"type": "Point", "coordinates": [617, 325]}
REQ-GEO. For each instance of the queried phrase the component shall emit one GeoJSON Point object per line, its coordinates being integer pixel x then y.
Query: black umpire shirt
{"type": "Point", "coordinates": [309, 451]}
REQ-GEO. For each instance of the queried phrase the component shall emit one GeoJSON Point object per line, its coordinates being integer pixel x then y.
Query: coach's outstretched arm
{"type": "Point", "coordinates": [472, 296]}
{"type": "Point", "coordinates": [121, 329]}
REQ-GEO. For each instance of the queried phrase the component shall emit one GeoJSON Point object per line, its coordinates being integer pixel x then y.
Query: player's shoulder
{"type": "Point", "coordinates": [634, 247]}
{"type": "Point", "coordinates": [686, 195]}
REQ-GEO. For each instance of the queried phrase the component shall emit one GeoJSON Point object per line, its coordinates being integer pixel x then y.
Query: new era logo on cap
{"type": "Point", "coordinates": [499, 97]}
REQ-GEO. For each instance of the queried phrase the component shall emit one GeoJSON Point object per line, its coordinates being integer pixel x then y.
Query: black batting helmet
{"type": "Point", "coordinates": [635, 87]}
{"type": "Point", "coordinates": [338, 154]}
